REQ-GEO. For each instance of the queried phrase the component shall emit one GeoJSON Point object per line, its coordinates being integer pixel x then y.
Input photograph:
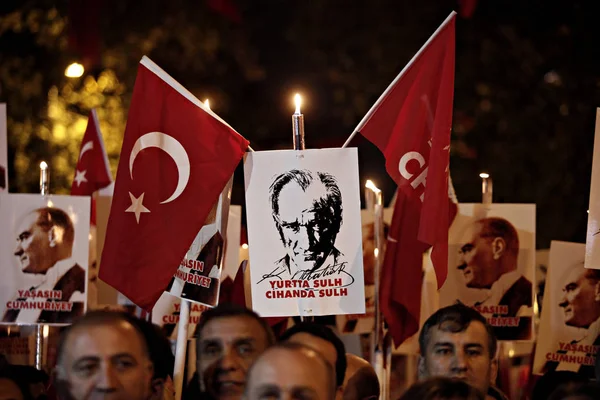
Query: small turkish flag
{"type": "Point", "coordinates": [411, 124]}
{"type": "Point", "coordinates": [92, 171]}
{"type": "Point", "coordinates": [177, 157]}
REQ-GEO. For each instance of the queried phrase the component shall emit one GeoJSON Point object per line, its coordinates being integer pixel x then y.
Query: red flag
{"type": "Point", "coordinates": [176, 158]}
{"type": "Point", "coordinates": [92, 171]}
{"type": "Point", "coordinates": [410, 124]}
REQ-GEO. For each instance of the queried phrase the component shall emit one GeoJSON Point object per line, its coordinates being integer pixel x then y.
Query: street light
{"type": "Point", "coordinates": [75, 70]}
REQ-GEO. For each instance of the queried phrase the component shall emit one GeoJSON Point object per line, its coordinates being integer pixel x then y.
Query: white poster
{"type": "Point", "coordinates": [304, 232]}
{"type": "Point", "coordinates": [491, 266]}
{"type": "Point", "coordinates": [43, 258]}
{"type": "Point", "coordinates": [198, 277]}
{"type": "Point", "coordinates": [3, 150]}
{"type": "Point", "coordinates": [570, 313]}
{"type": "Point", "coordinates": [592, 244]}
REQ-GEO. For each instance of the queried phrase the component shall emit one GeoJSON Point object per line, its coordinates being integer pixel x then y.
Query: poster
{"type": "Point", "coordinates": [570, 313]}
{"type": "Point", "coordinates": [365, 323]}
{"type": "Point", "coordinates": [3, 150]}
{"type": "Point", "coordinates": [198, 277]}
{"type": "Point", "coordinates": [304, 232]}
{"type": "Point", "coordinates": [43, 258]}
{"type": "Point", "coordinates": [491, 266]}
{"type": "Point", "coordinates": [592, 243]}
{"type": "Point", "coordinates": [166, 315]}
{"type": "Point", "coordinates": [232, 244]}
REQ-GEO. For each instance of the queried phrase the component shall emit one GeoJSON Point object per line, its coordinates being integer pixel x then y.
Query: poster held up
{"type": "Point", "coordinates": [491, 266]}
{"type": "Point", "coordinates": [198, 276]}
{"type": "Point", "coordinates": [303, 213]}
{"type": "Point", "coordinates": [43, 258]}
{"type": "Point", "coordinates": [592, 243]}
{"type": "Point", "coordinates": [570, 316]}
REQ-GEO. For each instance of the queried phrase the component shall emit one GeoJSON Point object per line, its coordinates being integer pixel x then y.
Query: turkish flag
{"type": "Point", "coordinates": [92, 171]}
{"type": "Point", "coordinates": [410, 124]}
{"type": "Point", "coordinates": [177, 157]}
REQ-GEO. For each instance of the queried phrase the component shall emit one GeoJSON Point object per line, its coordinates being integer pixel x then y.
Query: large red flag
{"type": "Point", "coordinates": [92, 171]}
{"type": "Point", "coordinates": [410, 124]}
{"type": "Point", "coordinates": [176, 158]}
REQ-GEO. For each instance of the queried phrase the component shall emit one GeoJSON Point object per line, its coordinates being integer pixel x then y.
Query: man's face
{"type": "Point", "coordinates": [580, 299]}
{"type": "Point", "coordinates": [463, 355]}
{"type": "Point", "coordinates": [305, 227]}
{"type": "Point", "coordinates": [476, 259]}
{"type": "Point", "coordinates": [284, 374]}
{"type": "Point", "coordinates": [107, 362]}
{"type": "Point", "coordinates": [227, 347]}
{"type": "Point", "coordinates": [33, 249]}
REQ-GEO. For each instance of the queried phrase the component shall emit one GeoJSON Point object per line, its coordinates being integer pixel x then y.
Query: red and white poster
{"type": "Point", "coordinates": [491, 266]}
{"type": "Point", "coordinates": [304, 232]}
{"type": "Point", "coordinates": [570, 316]}
{"type": "Point", "coordinates": [3, 150]}
{"type": "Point", "coordinates": [198, 276]}
{"type": "Point", "coordinates": [43, 258]}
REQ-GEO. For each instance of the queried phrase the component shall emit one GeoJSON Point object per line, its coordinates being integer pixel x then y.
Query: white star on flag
{"type": "Point", "coordinates": [136, 206]}
{"type": "Point", "coordinates": [80, 177]}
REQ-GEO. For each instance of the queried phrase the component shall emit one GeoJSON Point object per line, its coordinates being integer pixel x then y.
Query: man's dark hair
{"type": "Point", "coordinates": [21, 380]}
{"type": "Point", "coordinates": [159, 347]}
{"type": "Point", "coordinates": [455, 318]}
{"type": "Point", "coordinates": [442, 389]}
{"type": "Point", "coordinates": [494, 227]}
{"type": "Point", "coordinates": [291, 346]}
{"type": "Point", "coordinates": [582, 391]}
{"type": "Point", "coordinates": [551, 380]}
{"type": "Point", "coordinates": [51, 216]}
{"type": "Point", "coordinates": [96, 318]}
{"type": "Point", "coordinates": [331, 203]}
{"type": "Point", "coordinates": [225, 310]}
{"type": "Point", "coordinates": [323, 332]}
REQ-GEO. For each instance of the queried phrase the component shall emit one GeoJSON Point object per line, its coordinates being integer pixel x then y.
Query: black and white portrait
{"type": "Point", "coordinates": [304, 229]}
{"type": "Point", "coordinates": [308, 214]}
{"type": "Point", "coordinates": [47, 270]}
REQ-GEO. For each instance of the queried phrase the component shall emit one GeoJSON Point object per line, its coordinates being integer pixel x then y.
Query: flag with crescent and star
{"type": "Point", "coordinates": [92, 171]}
{"type": "Point", "coordinates": [177, 157]}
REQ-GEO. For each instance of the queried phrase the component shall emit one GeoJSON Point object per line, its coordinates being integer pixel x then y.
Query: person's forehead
{"type": "Point", "coordinates": [231, 328]}
{"type": "Point", "coordinates": [287, 369]}
{"type": "Point", "coordinates": [9, 389]}
{"type": "Point", "coordinates": [293, 201]}
{"type": "Point", "coordinates": [322, 346]}
{"type": "Point", "coordinates": [475, 334]}
{"type": "Point", "coordinates": [104, 340]}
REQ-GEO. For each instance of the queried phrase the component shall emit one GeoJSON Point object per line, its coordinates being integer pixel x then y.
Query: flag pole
{"type": "Point", "coordinates": [375, 106]}
{"type": "Point", "coordinates": [380, 342]}
{"type": "Point", "coordinates": [180, 350]}
{"type": "Point", "coordinates": [298, 144]}
{"type": "Point", "coordinates": [39, 328]}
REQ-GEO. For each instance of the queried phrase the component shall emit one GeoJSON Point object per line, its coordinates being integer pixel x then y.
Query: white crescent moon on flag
{"type": "Point", "coordinates": [89, 145]}
{"type": "Point", "coordinates": [170, 146]}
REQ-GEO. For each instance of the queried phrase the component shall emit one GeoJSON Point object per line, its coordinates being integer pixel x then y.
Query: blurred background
{"type": "Point", "coordinates": [527, 83]}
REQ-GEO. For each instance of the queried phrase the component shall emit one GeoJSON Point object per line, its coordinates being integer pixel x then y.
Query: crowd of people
{"type": "Point", "coordinates": [110, 354]}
